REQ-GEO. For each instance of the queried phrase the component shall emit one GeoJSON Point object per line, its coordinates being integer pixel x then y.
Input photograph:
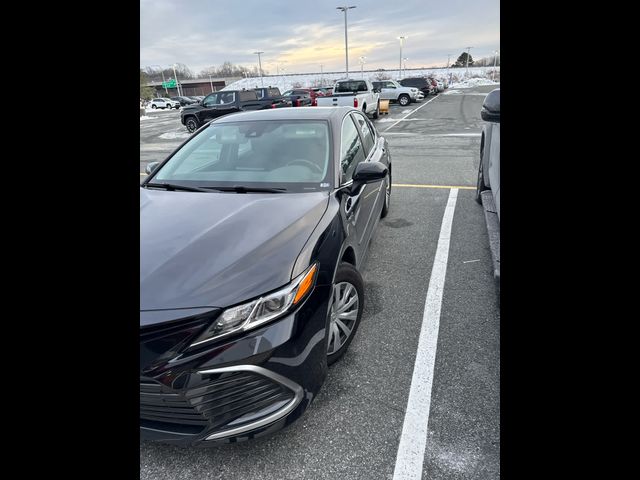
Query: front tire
{"type": "Point", "coordinates": [404, 100]}
{"type": "Point", "coordinates": [387, 198]}
{"type": "Point", "coordinates": [154, 107]}
{"type": "Point", "coordinates": [192, 124]}
{"type": "Point", "coordinates": [345, 311]}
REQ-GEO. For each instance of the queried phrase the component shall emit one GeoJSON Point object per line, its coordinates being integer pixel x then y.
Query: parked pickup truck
{"type": "Point", "coordinates": [360, 94]}
{"type": "Point", "coordinates": [300, 97]}
{"type": "Point", "coordinates": [221, 103]}
{"type": "Point", "coordinates": [393, 91]}
{"type": "Point", "coordinates": [273, 94]}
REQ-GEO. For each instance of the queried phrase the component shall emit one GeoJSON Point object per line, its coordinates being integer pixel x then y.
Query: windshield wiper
{"type": "Point", "coordinates": [244, 189]}
{"type": "Point", "coordinates": [172, 186]}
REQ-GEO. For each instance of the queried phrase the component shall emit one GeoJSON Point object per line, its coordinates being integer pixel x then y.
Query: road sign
{"type": "Point", "coordinates": [169, 84]}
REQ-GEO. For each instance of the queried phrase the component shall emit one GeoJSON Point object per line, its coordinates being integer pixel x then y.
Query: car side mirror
{"type": "Point", "coordinates": [491, 107]}
{"type": "Point", "coordinates": [151, 167]}
{"type": "Point", "coordinates": [368, 172]}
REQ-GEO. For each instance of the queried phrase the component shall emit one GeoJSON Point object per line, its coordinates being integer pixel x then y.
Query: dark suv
{"type": "Point", "coordinates": [183, 100]}
{"type": "Point", "coordinates": [221, 103]}
{"type": "Point", "coordinates": [420, 83]}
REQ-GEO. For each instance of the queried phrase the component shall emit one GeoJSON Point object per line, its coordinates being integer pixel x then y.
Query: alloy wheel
{"type": "Point", "coordinates": [343, 315]}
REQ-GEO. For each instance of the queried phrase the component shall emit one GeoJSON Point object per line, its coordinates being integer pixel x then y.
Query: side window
{"type": "Point", "coordinates": [247, 96]}
{"type": "Point", "coordinates": [211, 100]}
{"type": "Point", "coordinates": [351, 151]}
{"type": "Point", "coordinates": [389, 85]}
{"type": "Point", "coordinates": [365, 133]}
{"type": "Point", "coordinates": [226, 98]}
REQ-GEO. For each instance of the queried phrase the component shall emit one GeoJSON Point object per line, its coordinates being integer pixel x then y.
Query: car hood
{"type": "Point", "coordinates": [219, 249]}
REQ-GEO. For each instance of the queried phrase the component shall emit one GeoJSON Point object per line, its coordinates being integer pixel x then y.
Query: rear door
{"type": "Point", "coordinates": [388, 91]}
{"type": "Point", "coordinates": [373, 194]}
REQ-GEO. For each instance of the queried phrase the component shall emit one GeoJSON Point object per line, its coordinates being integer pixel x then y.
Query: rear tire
{"type": "Point", "coordinates": [347, 279]}
{"type": "Point", "coordinates": [480, 185]}
{"type": "Point", "coordinates": [376, 114]}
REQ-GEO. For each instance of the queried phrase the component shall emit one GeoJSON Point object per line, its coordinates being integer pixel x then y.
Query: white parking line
{"type": "Point", "coordinates": [413, 440]}
{"type": "Point", "coordinates": [412, 111]}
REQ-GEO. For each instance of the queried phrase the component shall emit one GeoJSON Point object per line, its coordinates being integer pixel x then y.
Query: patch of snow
{"type": "Point", "coordinates": [174, 135]}
{"type": "Point", "coordinates": [158, 110]}
{"type": "Point", "coordinates": [474, 82]}
{"type": "Point", "coordinates": [145, 117]}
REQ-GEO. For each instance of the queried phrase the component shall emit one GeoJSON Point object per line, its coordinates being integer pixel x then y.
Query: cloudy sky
{"type": "Point", "coordinates": [301, 35]}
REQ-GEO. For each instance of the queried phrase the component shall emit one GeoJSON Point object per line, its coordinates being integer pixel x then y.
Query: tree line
{"type": "Point", "coordinates": [227, 69]}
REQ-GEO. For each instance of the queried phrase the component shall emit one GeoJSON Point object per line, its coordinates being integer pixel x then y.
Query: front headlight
{"type": "Point", "coordinates": [256, 312]}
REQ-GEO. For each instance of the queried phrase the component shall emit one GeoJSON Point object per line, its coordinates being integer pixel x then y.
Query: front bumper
{"type": "Point", "coordinates": [236, 388]}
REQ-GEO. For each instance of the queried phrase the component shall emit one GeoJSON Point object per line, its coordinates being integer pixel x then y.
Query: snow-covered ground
{"type": "Point", "coordinates": [474, 82]}
{"type": "Point", "coordinates": [158, 110]}
{"type": "Point", "coordinates": [457, 77]}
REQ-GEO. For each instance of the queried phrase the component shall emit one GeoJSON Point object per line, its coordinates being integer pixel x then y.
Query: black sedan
{"type": "Point", "coordinates": [253, 236]}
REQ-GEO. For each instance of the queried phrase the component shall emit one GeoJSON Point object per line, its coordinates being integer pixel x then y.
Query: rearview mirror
{"type": "Point", "coordinates": [368, 172]}
{"type": "Point", "coordinates": [491, 107]}
{"type": "Point", "coordinates": [151, 167]}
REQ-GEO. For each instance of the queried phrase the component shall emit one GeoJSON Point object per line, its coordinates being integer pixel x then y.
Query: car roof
{"type": "Point", "coordinates": [311, 113]}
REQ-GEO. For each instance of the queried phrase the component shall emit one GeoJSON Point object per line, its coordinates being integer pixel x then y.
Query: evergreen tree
{"type": "Point", "coordinates": [462, 60]}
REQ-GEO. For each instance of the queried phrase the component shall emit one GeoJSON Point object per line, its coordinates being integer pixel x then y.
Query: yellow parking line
{"type": "Point", "coordinates": [431, 186]}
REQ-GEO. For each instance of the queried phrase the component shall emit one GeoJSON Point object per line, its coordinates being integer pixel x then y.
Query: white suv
{"type": "Point", "coordinates": [164, 103]}
{"type": "Point", "coordinates": [392, 90]}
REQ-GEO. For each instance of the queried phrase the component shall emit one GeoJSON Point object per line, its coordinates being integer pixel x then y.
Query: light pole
{"type": "Point", "coordinates": [163, 80]}
{"type": "Point", "coordinates": [176, 77]}
{"type": "Point", "coordinates": [321, 76]}
{"type": "Point", "coordinates": [402, 39]}
{"type": "Point", "coordinates": [211, 81]}
{"type": "Point", "coordinates": [495, 59]}
{"type": "Point", "coordinates": [346, 43]}
{"type": "Point", "coordinates": [362, 62]}
{"type": "Point", "coordinates": [260, 65]}
{"type": "Point", "coordinates": [467, 65]}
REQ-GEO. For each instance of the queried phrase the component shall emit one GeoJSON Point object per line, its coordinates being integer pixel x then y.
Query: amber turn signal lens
{"type": "Point", "coordinates": [305, 285]}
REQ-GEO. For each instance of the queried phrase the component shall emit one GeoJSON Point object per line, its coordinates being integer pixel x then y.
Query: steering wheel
{"type": "Point", "coordinates": [306, 163]}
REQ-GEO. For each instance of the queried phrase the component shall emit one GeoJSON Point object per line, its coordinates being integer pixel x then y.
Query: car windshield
{"type": "Point", "coordinates": [286, 154]}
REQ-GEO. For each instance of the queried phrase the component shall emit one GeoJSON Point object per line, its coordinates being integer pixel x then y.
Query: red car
{"type": "Point", "coordinates": [317, 92]}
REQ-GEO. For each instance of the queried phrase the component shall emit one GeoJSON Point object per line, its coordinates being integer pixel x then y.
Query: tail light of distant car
{"type": "Point", "coordinates": [355, 103]}
{"type": "Point", "coordinates": [297, 104]}
{"type": "Point", "coordinates": [314, 103]}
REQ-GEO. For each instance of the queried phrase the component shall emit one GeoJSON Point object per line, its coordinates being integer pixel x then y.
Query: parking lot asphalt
{"type": "Point", "coordinates": [353, 428]}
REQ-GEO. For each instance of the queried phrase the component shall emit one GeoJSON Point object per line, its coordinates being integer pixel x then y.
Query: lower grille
{"type": "Point", "coordinates": [225, 398]}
